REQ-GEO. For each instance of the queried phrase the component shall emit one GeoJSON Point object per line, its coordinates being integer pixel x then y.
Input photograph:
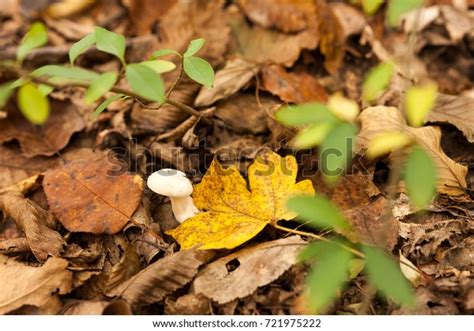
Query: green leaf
{"type": "Point", "coordinates": [33, 104]}
{"type": "Point", "coordinates": [6, 90]}
{"type": "Point", "coordinates": [194, 47]}
{"type": "Point", "coordinates": [371, 6]}
{"type": "Point", "coordinates": [376, 81]}
{"type": "Point", "coordinates": [81, 46]}
{"type": "Point", "coordinates": [310, 113]}
{"type": "Point", "coordinates": [163, 52]}
{"type": "Point", "coordinates": [199, 70]}
{"type": "Point", "coordinates": [397, 8]}
{"type": "Point", "coordinates": [45, 89]}
{"type": "Point", "coordinates": [100, 86]}
{"type": "Point", "coordinates": [385, 274]}
{"type": "Point", "coordinates": [145, 82]}
{"type": "Point", "coordinates": [420, 177]}
{"type": "Point", "coordinates": [313, 135]}
{"type": "Point", "coordinates": [327, 278]}
{"type": "Point", "coordinates": [62, 73]}
{"type": "Point", "coordinates": [36, 37]}
{"type": "Point", "coordinates": [110, 42]}
{"type": "Point", "coordinates": [335, 153]}
{"type": "Point", "coordinates": [103, 106]}
{"type": "Point", "coordinates": [318, 211]}
{"type": "Point", "coordinates": [419, 100]}
{"type": "Point", "coordinates": [159, 66]}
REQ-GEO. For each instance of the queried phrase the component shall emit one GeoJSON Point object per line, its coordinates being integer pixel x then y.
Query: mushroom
{"type": "Point", "coordinates": [174, 184]}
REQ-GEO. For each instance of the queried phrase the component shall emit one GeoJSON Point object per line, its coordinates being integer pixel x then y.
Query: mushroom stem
{"type": "Point", "coordinates": [183, 208]}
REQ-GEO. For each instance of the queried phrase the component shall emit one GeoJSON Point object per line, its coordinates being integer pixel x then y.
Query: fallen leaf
{"type": "Point", "coordinates": [66, 8]}
{"type": "Point", "coordinates": [32, 286]}
{"type": "Point", "coordinates": [33, 221]}
{"type": "Point", "coordinates": [236, 73]}
{"type": "Point", "coordinates": [188, 304]}
{"type": "Point", "coordinates": [161, 278]}
{"type": "Point", "coordinates": [292, 87]}
{"type": "Point", "coordinates": [332, 42]}
{"type": "Point", "coordinates": [364, 207]}
{"type": "Point", "coordinates": [231, 214]}
{"type": "Point", "coordinates": [145, 14]}
{"type": "Point", "coordinates": [82, 307]}
{"type": "Point", "coordinates": [48, 139]}
{"type": "Point", "coordinates": [352, 20]}
{"type": "Point", "coordinates": [92, 196]}
{"type": "Point", "coordinates": [15, 167]}
{"type": "Point", "coordinates": [456, 110]}
{"type": "Point", "coordinates": [286, 15]}
{"type": "Point", "coordinates": [244, 113]}
{"type": "Point", "coordinates": [410, 271]}
{"type": "Point", "coordinates": [256, 266]}
{"type": "Point", "coordinates": [380, 119]}
{"type": "Point", "coordinates": [261, 46]}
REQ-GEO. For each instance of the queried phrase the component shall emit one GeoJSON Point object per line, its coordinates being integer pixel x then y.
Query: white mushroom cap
{"type": "Point", "coordinates": [170, 182]}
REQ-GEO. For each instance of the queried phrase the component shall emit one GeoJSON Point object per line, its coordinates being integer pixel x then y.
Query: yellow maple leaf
{"type": "Point", "coordinates": [231, 213]}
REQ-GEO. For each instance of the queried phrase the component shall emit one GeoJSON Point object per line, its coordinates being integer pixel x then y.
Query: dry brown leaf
{"type": "Point", "coordinates": [332, 43]}
{"type": "Point", "coordinates": [145, 14]}
{"type": "Point", "coordinates": [236, 73]}
{"type": "Point", "coordinates": [365, 208]}
{"type": "Point", "coordinates": [256, 266]}
{"type": "Point", "coordinates": [286, 15]}
{"type": "Point", "coordinates": [244, 113]}
{"type": "Point", "coordinates": [376, 120]}
{"type": "Point", "coordinates": [161, 278]}
{"type": "Point", "coordinates": [352, 20]}
{"type": "Point", "coordinates": [32, 286]}
{"type": "Point", "coordinates": [456, 110]}
{"type": "Point", "coordinates": [291, 86]}
{"type": "Point", "coordinates": [48, 139]}
{"type": "Point", "coordinates": [79, 307]}
{"type": "Point", "coordinates": [262, 46]}
{"type": "Point", "coordinates": [33, 221]}
{"type": "Point", "coordinates": [188, 304]}
{"type": "Point", "coordinates": [15, 167]}
{"type": "Point", "coordinates": [92, 196]}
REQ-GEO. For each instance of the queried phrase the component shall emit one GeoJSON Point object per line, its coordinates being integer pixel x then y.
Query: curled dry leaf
{"type": "Point", "coordinates": [231, 213]}
{"type": "Point", "coordinates": [96, 197]}
{"type": "Point", "coordinates": [146, 13]}
{"type": "Point", "coordinates": [48, 139]}
{"type": "Point", "coordinates": [257, 266]}
{"type": "Point", "coordinates": [236, 73]}
{"type": "Point", "coordinates": [32, 286]}
{"type": "Point", "coordinates": [456, 110]}
{"type": "Point", "coordinates": [352, 20]}
{"type": "Point", "coordinates": [291, 86]}
{"type": "Point", "coordinates": [380, 119]}
{"type": "Point", "coordinates": [161, 278]}
{"type": "Point", "coordinates": [33, 221]}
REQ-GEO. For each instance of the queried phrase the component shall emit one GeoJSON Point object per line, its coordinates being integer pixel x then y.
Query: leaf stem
{"type": "Point", "coordinates": [315, 236]}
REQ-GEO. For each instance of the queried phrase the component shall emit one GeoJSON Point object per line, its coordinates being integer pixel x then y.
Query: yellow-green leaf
{"type": "Point", "coordinates": [36, 36]}
{"type": "Point", "coordinates": [313, 135]}
{"type": "Point", "coordinates": [231, 213]}
{"type": "Point", "coordinates": [386, 143]}
{"type": "Point", "coordinates": [419, 101]}
{"type": "Point", "coordinates": [100, 86]}
{"type": "Point", "coordinates": [343, 107]}
{"type": "Point", "coordinates": [377, 80]}
{"type": "Point", "coordinates": [420, 177]}
{"type": "Point", "coordinates": [33, 104]}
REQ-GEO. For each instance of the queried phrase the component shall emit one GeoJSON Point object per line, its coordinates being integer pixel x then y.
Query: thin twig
{"type": "Point", "coordinates": [315, 236]}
